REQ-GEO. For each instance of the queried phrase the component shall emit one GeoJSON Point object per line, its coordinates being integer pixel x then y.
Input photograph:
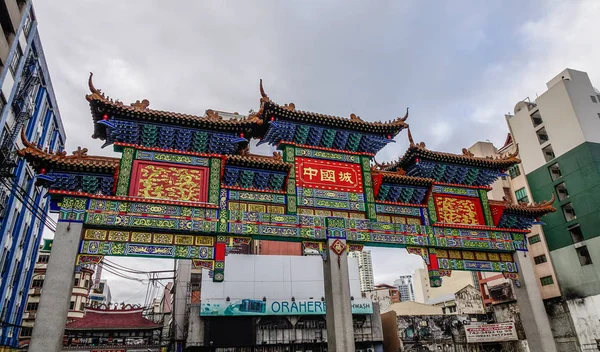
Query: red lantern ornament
{"type": "Point", "coordinates": [105, 117]}
{"type": "Point", "coordinates": [43, 171]}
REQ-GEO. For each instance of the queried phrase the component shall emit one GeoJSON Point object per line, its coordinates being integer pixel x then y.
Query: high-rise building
{"type": "Point", "coordinates": [405, 286]}
{"type": "Point", "coordinates": [513, 188]}
{"type": "Point", "coordinates": [79, 298]}
{"type": "Point", "coordinates": [26, 101]}
{"type": "Point", "coordinates": [558, 136]}
{"type": "Point", "coordinates": [365, 269]}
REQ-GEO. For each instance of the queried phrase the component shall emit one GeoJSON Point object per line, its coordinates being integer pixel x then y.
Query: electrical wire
{"type": "Point", "coordinates": [29, 203]}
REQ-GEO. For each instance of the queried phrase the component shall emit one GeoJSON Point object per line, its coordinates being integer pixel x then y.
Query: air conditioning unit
{"type": "Point", "coordinates": [370, 349]}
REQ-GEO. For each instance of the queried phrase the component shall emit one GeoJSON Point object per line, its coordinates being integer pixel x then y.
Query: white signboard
{"type": "Point", "coordinates": [491, 332]}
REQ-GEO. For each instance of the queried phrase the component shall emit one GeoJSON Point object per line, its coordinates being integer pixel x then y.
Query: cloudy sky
{"type": "Point", "coordinates": [458, 65]}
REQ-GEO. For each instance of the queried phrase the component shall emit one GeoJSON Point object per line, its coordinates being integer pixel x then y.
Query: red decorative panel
{"type": "Point", "coordinates": [459, 210]}
{"type": "Point", "coordinates": [497, 211]}
{"type": "Point", "coordinates": [377, 181]}
{"type": "Point", "coordinates": [324, 174]}
{"type": "Point", "coordinates": [168, 181]}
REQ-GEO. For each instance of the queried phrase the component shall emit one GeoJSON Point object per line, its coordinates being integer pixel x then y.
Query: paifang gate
{"type": "Point", "coordinates": [187, 187]}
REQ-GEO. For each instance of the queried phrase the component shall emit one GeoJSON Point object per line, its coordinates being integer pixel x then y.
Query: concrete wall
{"type": "Point", "coordinates": [274, 277]}
{"type": "Point", "coordinates": [391, 340]}
{"type": "Point", "coordinates": [425, 293]}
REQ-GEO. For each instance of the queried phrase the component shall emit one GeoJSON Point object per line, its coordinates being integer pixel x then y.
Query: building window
{"type": "Point", "coordinates": [548, 153]}
{"type": "Point", "coordinates": [32, 306]}
{"type": "Point", "coordinates": [71, 305]}
{"type": "Point", "coordinates": [561, 190]}
{"type": "Point", "coordinates": [542, 135]}
{"type": "Point", "coordinates": [540, 259]}
{"type": "Point", "coordinates": [43, 259]}
{"type": "Point", "coordinates": [576, 234]}
{"type": "Point", "coordinates": [76, 284]}
{"type": "Point", "coordinates": [593, 97]}
{"type": "Point", "coordinates": [569, 212]}
{"type": "Point", "coordinates": [584, 256]}
{"type": "Point", "coordinates": [514, 171]}
{"type": "Point", "coordinates": [555, 173]}
{"type": "Point", "coordinates": [521, 195]}
{"type": "Point", "coordinates": [507, 195]}
{"type": "Point", "coordinates": [534, 239]}
{"type": "Point", "coordinates": [27, 24]}
{"type": "Point", "coordinates": [536, 119]}
{"type": "Point", "coordinates": [37, 283]}
{"type": "Point", "coordinates": [26, 332]}
{"type": "Point", "coordinates": [3, 103]}
{"type": "Point", "coordinates": [14, 64]}
{"type": "Point", "coordinates": [546, 280]}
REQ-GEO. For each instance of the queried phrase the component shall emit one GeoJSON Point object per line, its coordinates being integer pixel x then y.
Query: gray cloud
{"type": "Point", "coordinates": [458, 65]}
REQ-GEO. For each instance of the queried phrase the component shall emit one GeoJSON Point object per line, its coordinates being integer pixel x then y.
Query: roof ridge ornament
{"type": "Point", "coordinates": [211, 114]}
{"type": "Point", "coordinates": [264, 96]}
{"type": "Point", "coordinates": [80, 153]}
{"type": "Point", "coordinates": [354, 117]}
{"type": "Point", "coordinates": [96, 93]}
{"type": "Point", "coordinates": [141, 105]}
{"type": "Point", "coordinates": [467, 152]}
{"type": "Point", "coordinates": [289, 107]}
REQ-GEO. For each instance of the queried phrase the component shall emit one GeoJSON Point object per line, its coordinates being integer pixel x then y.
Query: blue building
{"type": "Point", "coordinates": [26, 100]}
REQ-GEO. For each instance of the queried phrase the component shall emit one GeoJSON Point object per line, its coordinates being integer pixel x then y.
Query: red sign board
{"type": "Point", "coordinates": [328, 175]}
{"type": "Point", "coordinates": [169, 181]}
{"type": "Point", "coordinates": [459, 210]}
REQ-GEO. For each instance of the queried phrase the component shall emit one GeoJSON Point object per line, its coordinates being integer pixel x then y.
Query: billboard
{"type": "Point", "coordinates": [255, 307]}
{"type": "Point", "coordinates": [491, 332]}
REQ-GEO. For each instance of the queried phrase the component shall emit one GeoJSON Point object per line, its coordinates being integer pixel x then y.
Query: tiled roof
{"type": "Point", "coordinates": [79, 160]}
{"type": "Point", "coordinates": [419, 151]}
{"type": "Point", "coordinates": [400, 178]}
{"type": "Point", "coordinates": [101, 319]}
{"type": "Point", "coordinates": [289, 112]}
{"type": "Point", "coordinates": [535, 209]}
{"type": "Point", "coordinates": [101, 104]}
{"type": "Point", "coordinates": [274, 162]}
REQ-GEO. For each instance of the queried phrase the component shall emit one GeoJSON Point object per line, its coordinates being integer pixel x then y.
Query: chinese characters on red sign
{"type": "Point", "coordinates": [329, 175]}
{"type": "Point", "coordinates": [459, 210]}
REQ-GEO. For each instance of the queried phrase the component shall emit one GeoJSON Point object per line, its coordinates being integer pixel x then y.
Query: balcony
{"type": "Point", "coordinates": [542, 135]}
{"type": "Point", "coordinates": [555, 172]}
{"type": "Point", "coordinates": [561, 191]}
{"type": "Point", "coordinates": [548, 153]}
{"type": "Point", "coordinates": [569, 212]}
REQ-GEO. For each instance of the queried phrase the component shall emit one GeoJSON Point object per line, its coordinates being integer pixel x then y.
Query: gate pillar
{"type": "Point", "coordinates": [51, 316]}
{"type": "Point", "coordinates": [340, 330]}
{"type": "Point", "coordinates": [531, 306]}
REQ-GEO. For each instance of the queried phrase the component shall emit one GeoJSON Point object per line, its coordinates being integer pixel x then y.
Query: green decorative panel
{"type": "Point", "coordinates": [214, 184]}
{"type": "Point", "coordinates": [431, 209]}
{"type": "Point", "coordinates": [73, 209]}
{"type": "Point", "coordinates": [485, 205]}
{"type": "Point", "coordinates": [125, 169]}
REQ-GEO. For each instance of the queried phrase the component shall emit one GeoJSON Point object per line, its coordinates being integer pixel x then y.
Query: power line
{"type": "Point", "coordinates": [29, 203]}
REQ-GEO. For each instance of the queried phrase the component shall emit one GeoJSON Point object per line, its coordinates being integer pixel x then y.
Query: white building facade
{"type": "Point", "coordinates": [365, 269]}
{"type": "Point", "coordinates": [405, 286]}
{"type": "Point", "coordinates": [558, 136]}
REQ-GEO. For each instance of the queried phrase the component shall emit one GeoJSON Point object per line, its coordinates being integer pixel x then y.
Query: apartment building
{"type": "Point", "coordinates": [365, 269]}
{"type": "Point", "coordinates": [514, 188]}
{"type": "Point", "coordinates": [26, 101]}
{"type": "Point", "coordinates": [558, 135]}
{"type": "Point", "coordinates": [82, 283]}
